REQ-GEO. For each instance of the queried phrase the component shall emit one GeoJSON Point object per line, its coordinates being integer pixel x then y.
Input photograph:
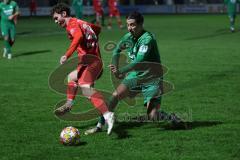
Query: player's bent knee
{"type": "Point", "coordinates": [115, 94]}
{"type": "Point", "coordinates": [87, 90]}
{"type": "Point", "coordinates": [72, 76]}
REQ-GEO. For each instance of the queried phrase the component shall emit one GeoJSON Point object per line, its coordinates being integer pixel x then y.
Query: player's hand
{"type": "Point", "coordinates": [115, 71]}
{"type": "Point", "coordinates": [63, 59]}
{"type": "Point", "coordinates": [113, 68]}
{"type": "Point", "coordinates": [11, 17]}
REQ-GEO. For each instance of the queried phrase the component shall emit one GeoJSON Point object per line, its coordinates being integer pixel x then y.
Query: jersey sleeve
{"type": "Point", "coordinates": [143, 50]}
{"type": "Point", "coordinates": [119, 48]}
{"type": "Point", "coordinates": [77, 37]}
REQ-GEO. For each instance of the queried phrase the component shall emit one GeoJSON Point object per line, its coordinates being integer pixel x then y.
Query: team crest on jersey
{"type": "Point", "coordinates": [143, 49]}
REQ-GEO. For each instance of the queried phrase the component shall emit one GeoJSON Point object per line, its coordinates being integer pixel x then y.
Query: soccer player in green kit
{"type": "Point", "coordinates": [141, 75]}
{"type": "Point", "coordinates": [232, 7]}
{"type": "Point", "coordinates": [78, 8]}
{"type": "Point", "coordinates": [9, 11]}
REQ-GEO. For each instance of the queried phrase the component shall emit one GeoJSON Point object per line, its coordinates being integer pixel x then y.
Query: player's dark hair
{"type": "Point", "coordinates": [60, 7]}
{"type": "Point", "coordinates": [137, 16]}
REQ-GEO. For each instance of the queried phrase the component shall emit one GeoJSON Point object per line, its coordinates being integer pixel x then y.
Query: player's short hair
{"type": "Point", "coordinates": [137, 16]}
{"type": "Point", "coordinates": [60, 7]}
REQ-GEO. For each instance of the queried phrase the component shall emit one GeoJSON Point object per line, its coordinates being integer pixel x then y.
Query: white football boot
{"type": "Point", "coordinates": [9, 56]}
{"type": "Point", "coordinates": [4, 52]}
{"type": "Point", "coordinates": [110, 119]}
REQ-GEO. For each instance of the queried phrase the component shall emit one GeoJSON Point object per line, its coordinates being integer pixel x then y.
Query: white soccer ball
{"type": "Point", "coordinates": [70, 136]}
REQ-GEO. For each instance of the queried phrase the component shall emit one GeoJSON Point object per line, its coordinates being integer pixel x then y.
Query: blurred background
{"type": "Point", "coordinates": [144, 6]}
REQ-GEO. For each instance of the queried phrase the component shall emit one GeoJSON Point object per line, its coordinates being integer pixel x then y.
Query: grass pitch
{"type": "Point", "coordinates": [202, 57]}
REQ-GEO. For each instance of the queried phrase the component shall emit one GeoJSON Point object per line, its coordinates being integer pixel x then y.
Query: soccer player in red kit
{"type": "Point", "coordinates": [113, 11]}
{"type": "Point", "coordinates": [84, 40]}
{"type": "Point", "coordinates": [33, 8]}
{"type": "Point", "coordinates": [97, 6]}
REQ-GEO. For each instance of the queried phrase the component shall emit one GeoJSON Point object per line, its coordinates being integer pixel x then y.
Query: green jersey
{"type": "Point", "coordinates": [8, 10]}
{"type": "Point", "coordinates": [231, 6]}
{"type": "Point", "coordinates": [141, 50]}
{"type": "Point", "coordinates": [78, 7]}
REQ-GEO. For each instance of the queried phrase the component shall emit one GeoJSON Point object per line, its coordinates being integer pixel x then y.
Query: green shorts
{"type": "Point", "coordinates": [150, 90]}
{"type": "Point", "coordinates": [8, 29]}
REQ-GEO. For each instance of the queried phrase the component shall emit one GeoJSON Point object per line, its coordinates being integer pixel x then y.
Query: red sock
{"type": "Point", "coordinates": [98, 101]}
{"type": "Point", "coordinates": [71, 90]}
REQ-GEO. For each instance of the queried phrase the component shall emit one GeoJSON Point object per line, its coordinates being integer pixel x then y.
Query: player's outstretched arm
{"type": "Point", "coordinates": [77, 38]}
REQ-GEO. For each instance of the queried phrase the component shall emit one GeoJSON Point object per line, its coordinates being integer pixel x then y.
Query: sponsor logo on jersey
{"type": "Point", "coordinates": [143, 49]}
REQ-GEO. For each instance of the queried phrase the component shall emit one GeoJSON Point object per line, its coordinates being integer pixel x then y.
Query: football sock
{"type": "Point", "coordinates": [71, 90]}
{"type": "Point", "coordinates": [107, 114]}
{"type": "Point", "coordinates": [101, 122]}
{"type": "Point", "coordinates": [7, 46]}
{"type": "Point", "coordinates": [70, 102]}
{"type": "Point", "coordinates": [113, 101]}
{"type": "Point", "coordinates": [232, 21]}
{"type": "Point", "coordinates": [98, 102]}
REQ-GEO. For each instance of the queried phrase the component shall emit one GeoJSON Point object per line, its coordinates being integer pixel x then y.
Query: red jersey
{"type": "Point", "coordinates": [97, 5]}
{"type": "Point", "coordinates": [112, 4]}
{"type": "Point", "coordinates": [84, 38]}
{"type": "Point", "coordinates": [33, 5]}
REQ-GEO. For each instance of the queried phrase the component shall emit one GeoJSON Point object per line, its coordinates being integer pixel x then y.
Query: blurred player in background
{"type": "Point", "coordinates": [33, 8]}
{"type": "Point", "coordinates": [141, 47]}
{"type": "Point", "coordinates": [9, 13]}
{"type": "Point", "coordinates": [84, 40]}
{"type": "Point", "coordinates": [78, 8]}
{"type": "Point", "coordinates": [114, 12]}
{"type": "Point", "coordinates": [232, 9]}
{"type": "Point", "coordinates": [98, 8]}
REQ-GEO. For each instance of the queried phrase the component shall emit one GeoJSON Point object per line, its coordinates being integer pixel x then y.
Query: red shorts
{"type": "Point", "coordinates": [114, 12]}
{"type": "Point", "coordinates": [88, 73]}
{"type": "Point", "coordinates": [99, 12]}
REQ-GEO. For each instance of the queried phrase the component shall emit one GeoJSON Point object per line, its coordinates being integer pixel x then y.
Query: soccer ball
{"type": "Point", "coordinates": [70, 136]}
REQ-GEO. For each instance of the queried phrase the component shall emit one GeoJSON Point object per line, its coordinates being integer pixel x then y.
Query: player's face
{"type": "Point", "coordinates": [134, 28]}
{"type": "Point", "coordinates": [59, 19]}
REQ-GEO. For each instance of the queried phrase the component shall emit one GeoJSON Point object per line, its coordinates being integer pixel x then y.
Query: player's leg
{"type": "Point", "coordinates": [118, 17]}
{"type": "Point", "coordinates": [110, 20]}
{"type": "Point", "coordinates": [12, 35]}
{"type": "Point", "coordinates": [121, 92]}
{"type": "Point", "coordinates": [11, 39]}
{"type": "Point", "coordinates": [86, 82]}
{"type": "Point", "coordinates": [71, 93]}
{"type": "Point", "coordinates": [5, 34]}
{"type": "Point", "coordinates": [98, 19]}
{"type": "Point", "coordinates": [99, 102]}
{"type": "Point", "coordinates": [152, 99]}
{"type": "Point", "coordinates": [232, 22]}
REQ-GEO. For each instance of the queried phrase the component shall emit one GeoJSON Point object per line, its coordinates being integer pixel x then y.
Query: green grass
{"type": "Point", "coordinates": [203, 61]}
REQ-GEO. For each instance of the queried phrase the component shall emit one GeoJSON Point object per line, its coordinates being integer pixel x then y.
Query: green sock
{"type": "Point", "coordinates": [101, 121]}
{"type": "Point", "coordinates": [7, 46]}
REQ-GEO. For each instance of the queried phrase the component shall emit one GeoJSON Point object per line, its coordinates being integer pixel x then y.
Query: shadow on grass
{"type": "Point", "coordinates": [31, 53]}
{"type": "Point", "coordinates": [121, 127]}
{"type": "Point", "coordinates": [76, 145]}
{"type": "Point", "coordinates": [24, 33]}
{"type": "Point", "coordinates": [191, 125]}
{"type": "Point", "coordinates": [217, 33]}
